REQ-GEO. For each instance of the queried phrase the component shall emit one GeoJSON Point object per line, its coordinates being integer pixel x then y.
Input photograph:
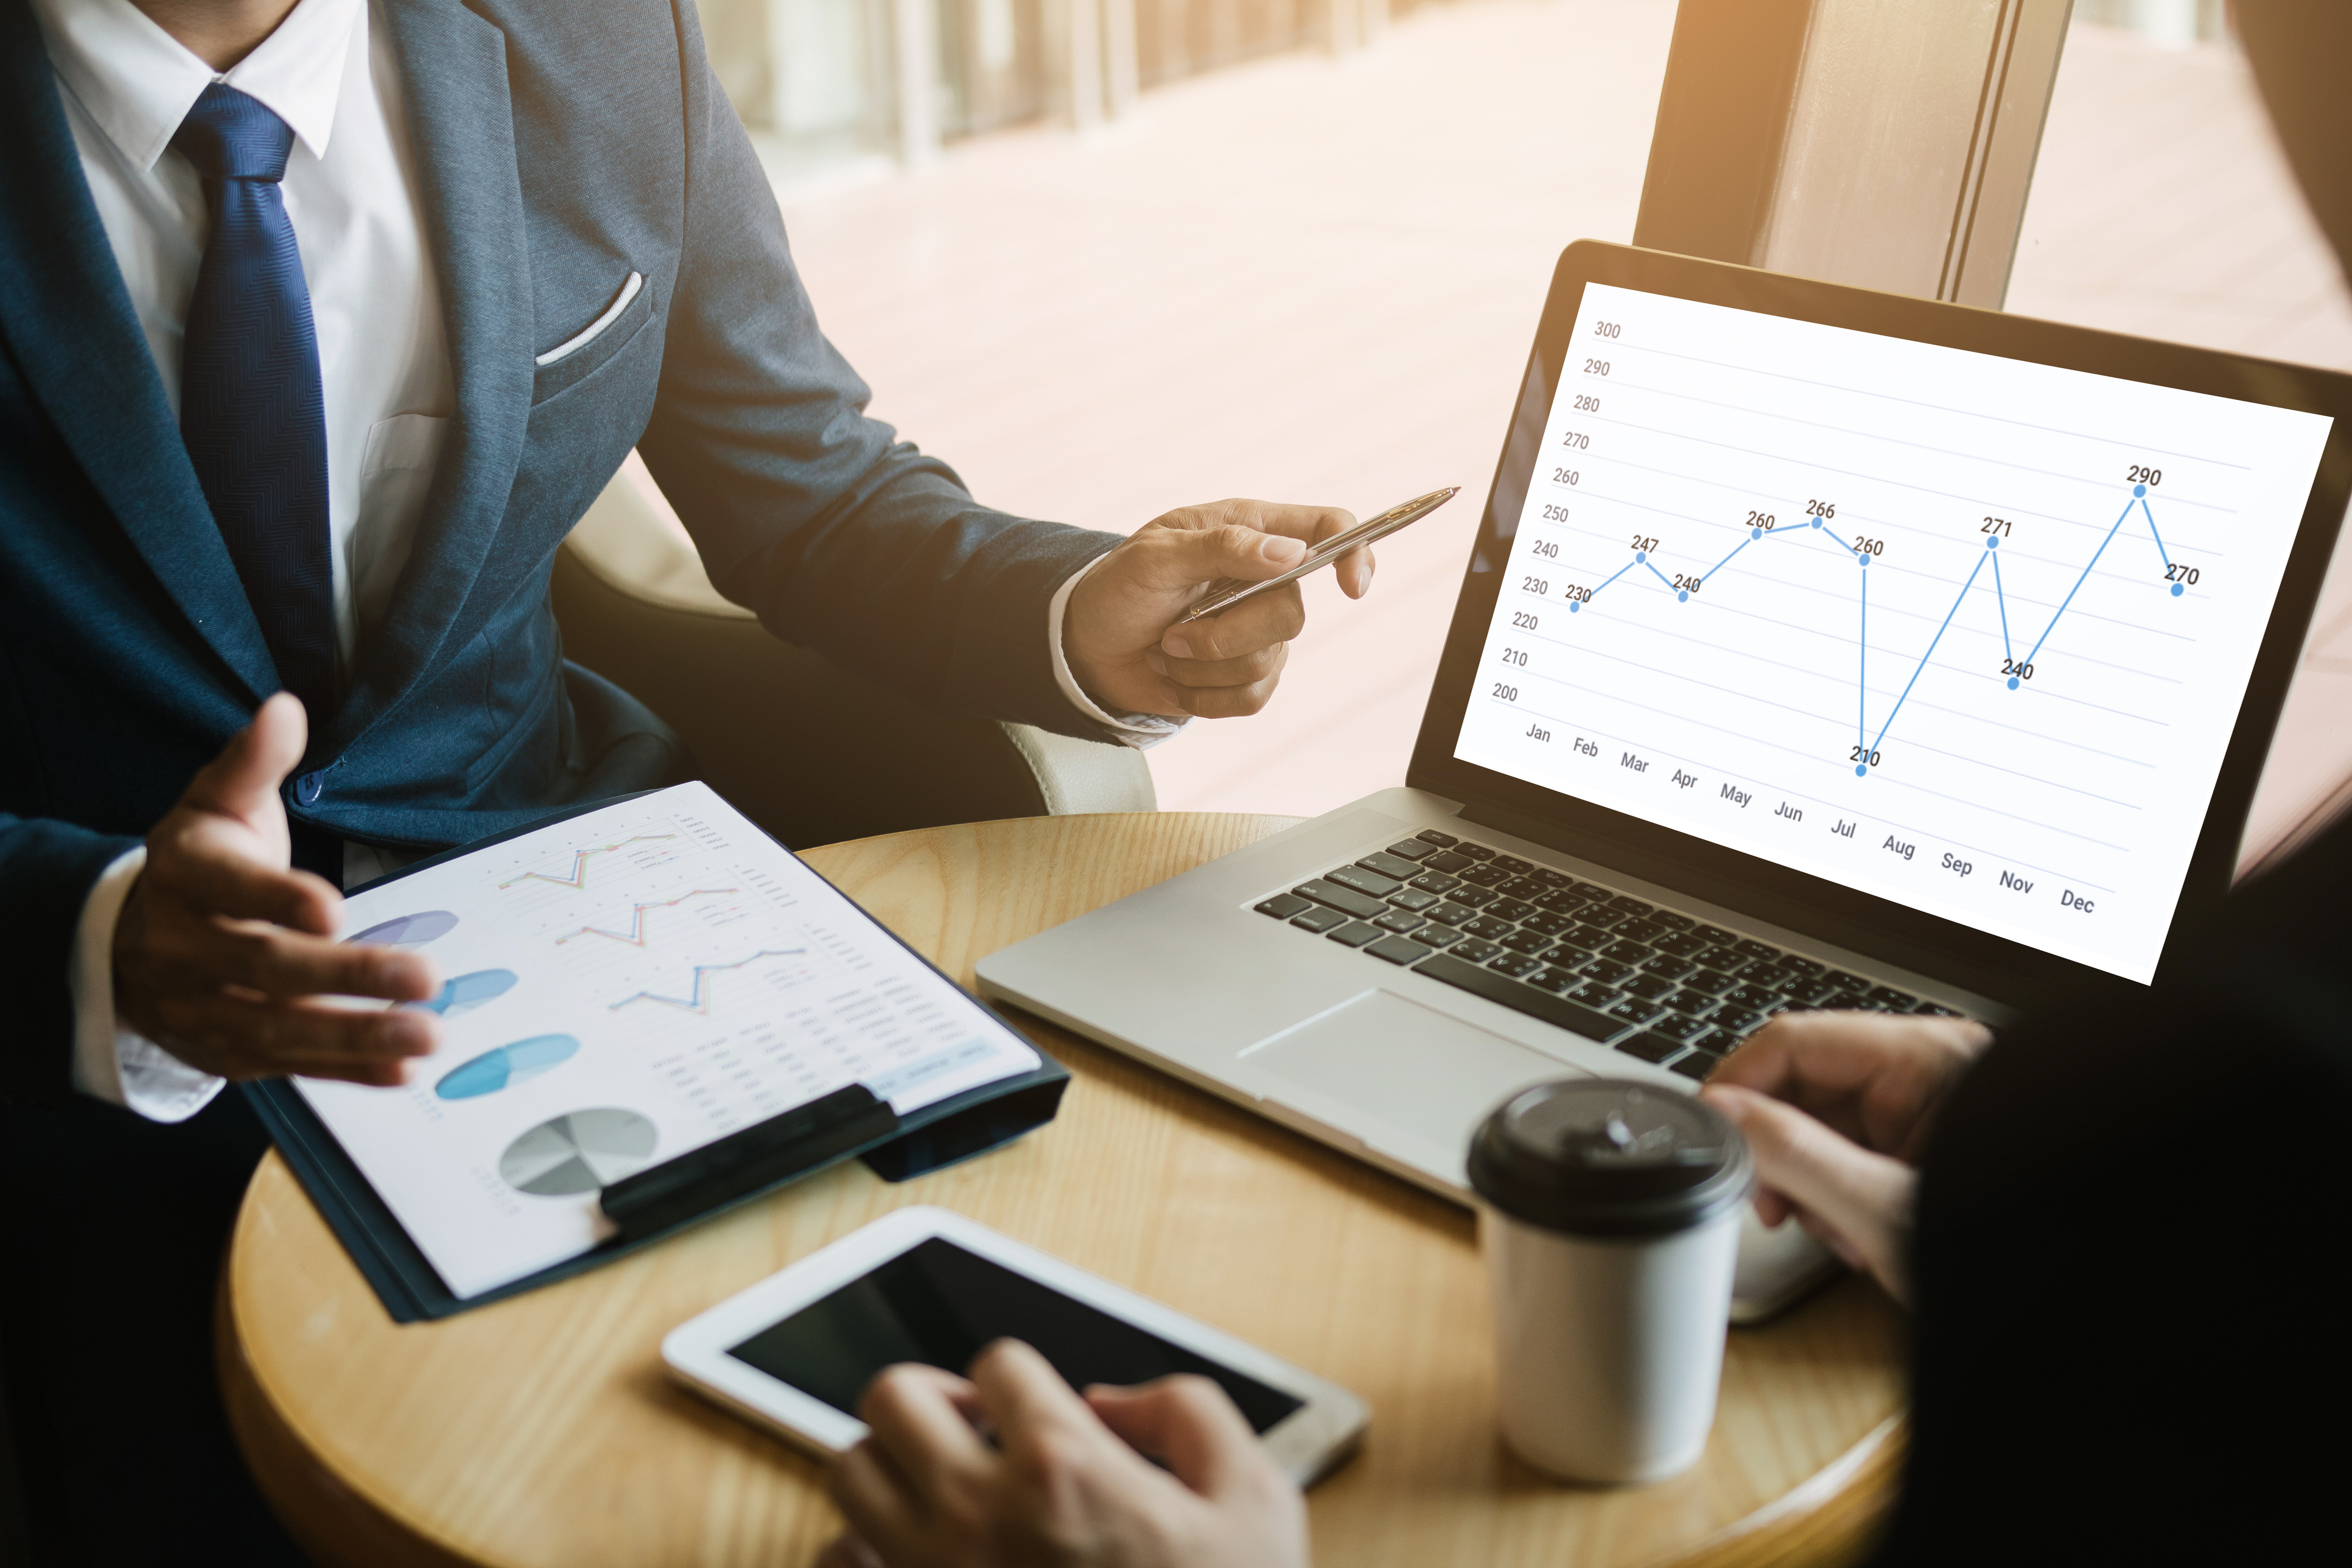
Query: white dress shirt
{"type": "Point", "coordinates": [330, 73]}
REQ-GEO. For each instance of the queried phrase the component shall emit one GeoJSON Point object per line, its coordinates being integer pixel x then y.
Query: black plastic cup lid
{"type": "Point", "coordinates": [1607, 1157]}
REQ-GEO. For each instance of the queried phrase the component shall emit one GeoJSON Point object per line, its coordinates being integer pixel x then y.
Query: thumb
{"type": "Point", "coordinates": [243, 781]}
{"type": "Point", "coordinates": [1228, 550]}
{"type": "Point", "coordinates": [1856, 1201]}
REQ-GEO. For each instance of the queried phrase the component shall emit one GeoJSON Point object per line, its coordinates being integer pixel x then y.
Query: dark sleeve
{"type": "Point", "coordinates": [46, 869]}
{"type": "Point", "coordinates": [806, 510]}
{"type": "Point", "coordinates": [2128, 1346]}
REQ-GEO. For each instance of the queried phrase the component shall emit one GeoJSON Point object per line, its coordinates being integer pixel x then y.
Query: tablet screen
{"type": "Point", "coordinates": [1960, 631]}
{"type": "Point", "coordinates": [939, 1304]}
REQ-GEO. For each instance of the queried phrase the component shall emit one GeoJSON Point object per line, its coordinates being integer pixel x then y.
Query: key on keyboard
{"type": "Point", "coordinates": [1324, 892]}
{"type": "Point", "coordinates": [1364, 881]}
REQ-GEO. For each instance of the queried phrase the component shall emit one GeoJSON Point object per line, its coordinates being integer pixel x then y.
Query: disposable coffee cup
{"type": "Point", "coordinates": [1610, 1224]}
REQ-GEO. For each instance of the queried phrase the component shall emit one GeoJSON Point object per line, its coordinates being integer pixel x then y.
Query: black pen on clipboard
{"type": "Point", "coordinates": [1224, 594]}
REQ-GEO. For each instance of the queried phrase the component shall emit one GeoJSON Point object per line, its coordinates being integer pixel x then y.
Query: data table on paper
{"type": "Point", "coordinates": [1962, 631]}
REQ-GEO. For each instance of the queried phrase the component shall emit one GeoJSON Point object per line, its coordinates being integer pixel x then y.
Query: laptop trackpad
{"type": "Point", "coordinates": [1428, 1076]}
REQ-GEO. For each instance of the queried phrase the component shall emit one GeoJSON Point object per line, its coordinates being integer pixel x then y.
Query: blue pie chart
{"type": "Point", "coordinates": [506, 1066]}
{"type": "Point", "coordinates": [467, 992]}
{"type": "Point", "coordinates": [410, 931]}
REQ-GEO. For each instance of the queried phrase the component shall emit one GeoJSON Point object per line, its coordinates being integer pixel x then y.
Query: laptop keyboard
{"type": "Point", "coordinates": [1654, 984]}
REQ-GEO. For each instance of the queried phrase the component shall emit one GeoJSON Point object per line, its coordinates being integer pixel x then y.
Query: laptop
{"type": "Point", "coordinates": [1818, 647]}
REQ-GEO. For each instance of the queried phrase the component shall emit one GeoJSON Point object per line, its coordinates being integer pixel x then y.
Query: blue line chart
{"type": "Point", "coordinates": [698, 996]}
{"type": "Point", "coordinates": [2017, 670]}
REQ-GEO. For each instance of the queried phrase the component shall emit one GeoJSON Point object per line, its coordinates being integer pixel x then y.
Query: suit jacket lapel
{"type": "Point", "coordinates": [73, 332]}
{"type": "Point", "coordinates": [461, 127]}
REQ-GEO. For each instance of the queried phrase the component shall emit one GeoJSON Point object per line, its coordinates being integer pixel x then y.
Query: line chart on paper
{"type": "Point", "coordinates": [576, 877]}
{"type": "Point", "coordinates": [697, 997]}
{"type": "Point", "coordinates": [1961, 630]}
{"type": "Point", "coordinates": [633, 932]}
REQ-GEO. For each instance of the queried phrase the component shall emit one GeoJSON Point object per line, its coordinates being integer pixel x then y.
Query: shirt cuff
{"type": "Point", "coordinates": [1140, 731]}
{"type": "Point", "coordinates": [111, 1063]}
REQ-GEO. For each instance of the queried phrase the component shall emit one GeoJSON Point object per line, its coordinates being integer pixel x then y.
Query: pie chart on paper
{"type": "Point", "coordinates": [506, 1066]}
{"type": "Point", "coordinates": [409, 930]}
{"type": "Point", "coordinates": [579, 1152]}
{"type": "Point", "coordinates": [467, 992]}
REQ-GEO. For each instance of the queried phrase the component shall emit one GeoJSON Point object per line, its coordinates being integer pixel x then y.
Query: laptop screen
{"type": "Point", "coordinates": [1960, 631]}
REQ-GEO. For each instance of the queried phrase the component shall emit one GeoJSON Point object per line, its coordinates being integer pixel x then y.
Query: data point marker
{"type": "Point", "coordinates": [2012, 683]}
{"type": "Point", "coordinates": [1573, 608]}
{"type": "Point", "coordinates": [1993, 543]}
{"type": "Point", "coordinates": [1817, 522]}
{"type": "Point", "coordinates": [1755, 534]}
{"type": "Point", "coordinates": [1860, 769]}
{"type": "Point", "coordinates": [2176, 590]}
{"type": "Point", "coordinates": [1641, 555]}
{"type": "Point", "coordinates": [1682, 596]}
{"type": "Point", "coordinates": [2139, 489]}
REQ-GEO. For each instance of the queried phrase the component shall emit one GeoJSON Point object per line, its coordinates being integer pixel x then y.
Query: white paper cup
{"type": "Point", "coordinates": [1609, 1218]}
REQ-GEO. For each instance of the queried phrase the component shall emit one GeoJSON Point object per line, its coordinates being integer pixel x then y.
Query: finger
{"type": "Point", "coordinates": [1248, 670]}
{"type": "Point", "coordinates": [1354, 569]}
{"type": "Point", "coordinates": [1767, 1060]}
{"type": "Point", "coordinates": [189, 949]}
{"type": "Point", "coordinates": [1872, 1076]}
{"type": "Point", "coordinates": [915, 1414]}
{"type": "Point", "coordinates": [1190, 1422]}
{"type": "Point", "coordinates": [1176, 557]}
{"type": "Point", "coordinates": [243, 781]}
{"type": "Point", "coordinates": [248, 1037]}
{"type": "Point", "coordinates": [1037, 1417]}
{"type": "Point", "coordinates": [1860, 1198]}
{"type": "Point", "coordinates": [1224, 701]}
{"type": "Point", "coordinates": [1258, 676]}
{"type": "Point", "coordinates": [1835, 1051]}
{"type": "Point", "coordinates": [211, 864]}
{"type": "Point", "coordinates": [1310, 524]}
{"type": "Point", "coordinates": [1260, 621]}
{"type": "Point", "coordinates": [874, 1498]}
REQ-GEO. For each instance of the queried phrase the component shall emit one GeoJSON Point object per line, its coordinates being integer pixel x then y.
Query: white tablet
{"type": "Point", "coordinates": [794, 1351]}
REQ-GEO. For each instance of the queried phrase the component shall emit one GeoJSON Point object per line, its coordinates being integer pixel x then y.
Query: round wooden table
{"type": "Point", "coordinates": [541, 1432]}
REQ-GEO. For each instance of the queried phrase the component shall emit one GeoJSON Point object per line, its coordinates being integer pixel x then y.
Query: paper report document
{"type": "Point", "coordinates": [620, 988]}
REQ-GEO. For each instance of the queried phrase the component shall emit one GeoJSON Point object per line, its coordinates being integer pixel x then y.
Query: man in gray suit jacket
{"type": "Point", "coordinates": [324, 322]}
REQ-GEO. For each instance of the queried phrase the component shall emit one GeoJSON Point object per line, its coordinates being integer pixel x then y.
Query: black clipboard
{"type": "Point", "coordinates": [662, 1199]}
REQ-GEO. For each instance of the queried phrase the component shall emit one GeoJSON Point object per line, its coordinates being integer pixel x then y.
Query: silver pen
{"type": "Point", "coordinates": [1230, 591]}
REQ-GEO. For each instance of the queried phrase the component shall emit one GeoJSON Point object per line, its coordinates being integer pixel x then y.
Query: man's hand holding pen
{"type": "Point", "coordinates": [1118, 629]}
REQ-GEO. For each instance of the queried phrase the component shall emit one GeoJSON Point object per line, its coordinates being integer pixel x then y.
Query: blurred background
{"type": "Point", "coordinates": [1110, 256]}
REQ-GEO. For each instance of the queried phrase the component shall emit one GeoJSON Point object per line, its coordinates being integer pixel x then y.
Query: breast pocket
{"type": "Point", "coordinates": [579, 356]}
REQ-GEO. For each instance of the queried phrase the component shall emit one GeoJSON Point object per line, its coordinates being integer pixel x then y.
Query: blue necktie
{"type": "Point", "coordinates": [250, 409]}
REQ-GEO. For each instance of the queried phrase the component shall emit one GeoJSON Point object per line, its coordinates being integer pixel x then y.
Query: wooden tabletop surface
{"type": "Point", "coordinates": [541, 1432]}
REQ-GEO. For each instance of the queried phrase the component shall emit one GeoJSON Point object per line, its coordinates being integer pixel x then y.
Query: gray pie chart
{"type": "Point", "coordinates": [579, 1152]}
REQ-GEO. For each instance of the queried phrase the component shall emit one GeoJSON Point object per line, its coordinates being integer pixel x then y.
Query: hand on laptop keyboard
{"type": "Point", "coordinates": [1657, 985]}
{"type": "Point", "coordinates": [1836, 1106]}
